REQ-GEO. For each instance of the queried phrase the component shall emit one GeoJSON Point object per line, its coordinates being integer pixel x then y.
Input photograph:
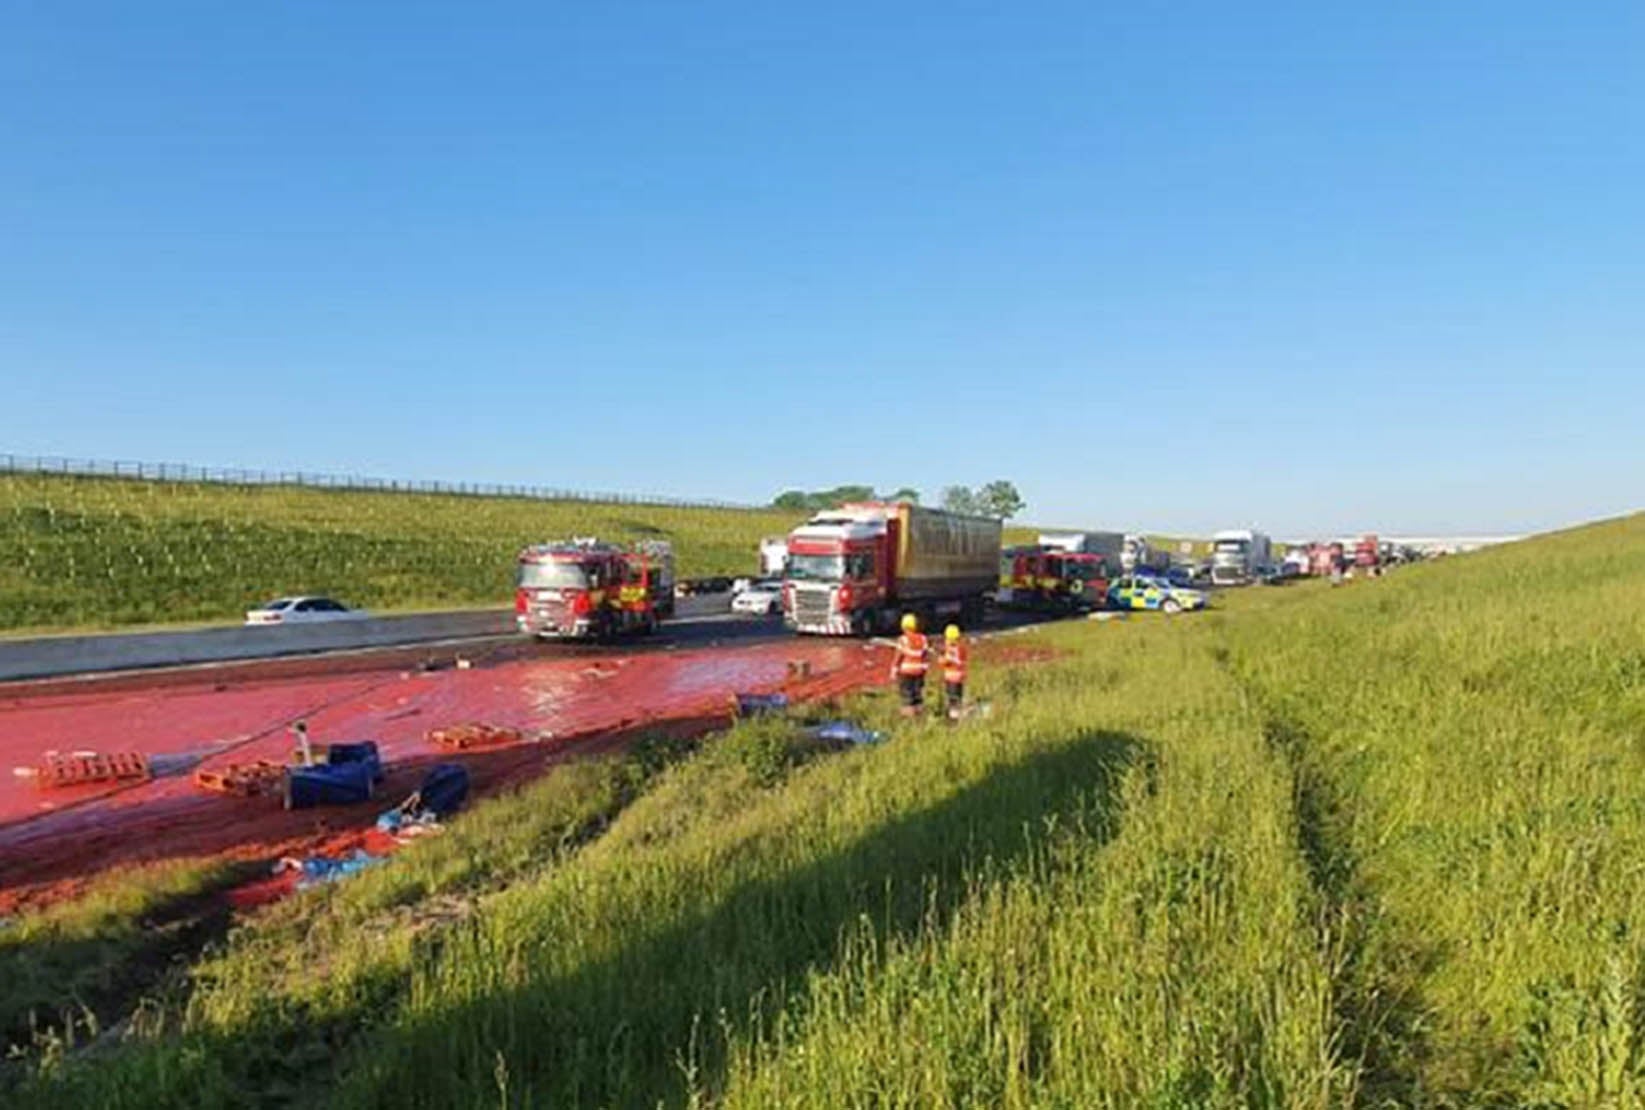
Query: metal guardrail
{"type": "Point", "coordinates": [235, 476]}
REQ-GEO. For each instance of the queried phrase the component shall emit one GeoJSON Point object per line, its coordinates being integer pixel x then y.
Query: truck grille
{"type": "Point", "coordinates": [812, 606]}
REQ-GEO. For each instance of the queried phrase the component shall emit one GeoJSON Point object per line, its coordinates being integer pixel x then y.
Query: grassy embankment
{"type": "Point", "coordinates": [1373, 846]}
{"type": "Point", "coordinates": [104, 552]}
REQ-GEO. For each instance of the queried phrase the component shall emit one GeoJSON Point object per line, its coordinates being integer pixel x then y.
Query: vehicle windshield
{"type": "Point", "coordinates": [551, 576]}
{"type": "Point", "coordinates": [1231, 547]}
{"type": "Point", "coordinates": [278, 603]}
{"type": "Point", "coordinates": [816, 568]}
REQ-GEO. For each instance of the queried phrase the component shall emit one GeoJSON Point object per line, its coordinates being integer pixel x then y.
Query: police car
{"type": "Point", "coordinates": [1147, 591]}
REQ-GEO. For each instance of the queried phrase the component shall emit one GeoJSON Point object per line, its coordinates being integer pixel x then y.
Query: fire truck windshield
{"type": "Point", "coordinates": [551, 576]}
{"type": "Point", "coordinates": [816, 568]}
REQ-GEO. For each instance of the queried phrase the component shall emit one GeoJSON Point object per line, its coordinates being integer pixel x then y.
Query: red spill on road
{"type": "Point", "coordinates": [52, 841]}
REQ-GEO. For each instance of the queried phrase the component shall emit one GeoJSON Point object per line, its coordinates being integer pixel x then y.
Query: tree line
{"type": "Point", "coordinates": [998, 498]}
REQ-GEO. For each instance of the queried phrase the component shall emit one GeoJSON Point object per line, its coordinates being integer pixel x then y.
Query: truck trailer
{"type": "Point", "coordinates": [1238, 555]}
{"type": "Point", "coordinates": [773, 556]}
{"type": "Point", "coordinates": [856, 569]}
{"type": "Point", "coordinates": [1137, 555]}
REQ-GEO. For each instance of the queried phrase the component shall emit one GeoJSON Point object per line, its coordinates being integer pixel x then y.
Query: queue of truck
{"type": "Point", "coordinates": [855, 570]}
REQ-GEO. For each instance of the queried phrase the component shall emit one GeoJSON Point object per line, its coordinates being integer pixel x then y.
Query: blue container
{"type": "Point", "coordinates": [337, 784]}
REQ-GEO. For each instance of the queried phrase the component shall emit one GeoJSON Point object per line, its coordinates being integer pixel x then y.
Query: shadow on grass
{"type": "Point", "coordinates": [54, 985]}
{"type": "Point", "coordinates": [642, 1025]}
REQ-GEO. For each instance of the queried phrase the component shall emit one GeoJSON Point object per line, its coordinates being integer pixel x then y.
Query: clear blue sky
{"type": "Point", "coordinates": [1313, 266]}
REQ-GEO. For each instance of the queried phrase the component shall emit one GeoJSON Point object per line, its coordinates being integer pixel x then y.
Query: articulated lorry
{"type": "Point", "coordinates": [1238, 555]}
{"type": "Point", "coordinates": [856, 569]}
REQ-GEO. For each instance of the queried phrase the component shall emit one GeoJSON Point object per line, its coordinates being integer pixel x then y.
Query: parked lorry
{"type": "Point", "coordinates": [773, 556]}
{"type": "Point", "coordinates": [1138, 556]}
{"type": "Point", "coordinates": [586, 589]}
{"type": "Point", "coordinates": [1106, 546]}
{"type": "Point", "coordinates": [1043, 578]}
{"type": "Point", "coordinates": [855, 569]}
{"type": "Point", "coordinates": [1238, 555]}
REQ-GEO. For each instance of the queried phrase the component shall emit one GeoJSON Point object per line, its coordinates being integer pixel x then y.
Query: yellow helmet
{"type": "Point", "coordinates": [910, 623]}
{"type": "Point", "coordinates": [952, 632]}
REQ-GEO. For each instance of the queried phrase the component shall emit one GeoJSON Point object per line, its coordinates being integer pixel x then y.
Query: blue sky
{"type": "Point", "coordinates": [1313, 267]}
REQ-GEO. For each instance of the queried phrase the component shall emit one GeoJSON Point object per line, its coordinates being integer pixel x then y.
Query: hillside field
{"type": "Point", "coordinates": [101, 552]}
{"type": "Point", "coordinates": [1372, 846]}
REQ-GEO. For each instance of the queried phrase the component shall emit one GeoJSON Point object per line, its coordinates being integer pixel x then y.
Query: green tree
{"type": "Point", "coordinates": [1000, 498]}
{"type": "Point", "coordinates": [959, 499]}
{"type": "Point", "coordinates": [906, 493]}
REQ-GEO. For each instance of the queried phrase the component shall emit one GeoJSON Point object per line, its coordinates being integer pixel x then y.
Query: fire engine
{"type": "Point", "coordinates": [586, 589]}
{"type": "Point", "coordinates": [1041, 577]}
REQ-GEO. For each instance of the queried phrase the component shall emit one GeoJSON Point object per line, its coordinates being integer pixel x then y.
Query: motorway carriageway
{"type": "Point", "coordinates": [576, 700]}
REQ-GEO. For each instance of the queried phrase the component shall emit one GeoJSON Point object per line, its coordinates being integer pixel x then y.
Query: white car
{"type": "Point", "coordinates": [302, 610]}
{"type": "Point", "coordinates": [763, 598]}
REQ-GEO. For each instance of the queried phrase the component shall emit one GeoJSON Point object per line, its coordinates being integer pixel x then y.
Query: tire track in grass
{"type": "Point", "coordinates": [1376, 1001]}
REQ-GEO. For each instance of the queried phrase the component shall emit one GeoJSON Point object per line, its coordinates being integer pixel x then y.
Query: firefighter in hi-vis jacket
{"type": "Point", "coordinates": [956, 656]}
{"type": "Point", "coordinates": [908, 667]}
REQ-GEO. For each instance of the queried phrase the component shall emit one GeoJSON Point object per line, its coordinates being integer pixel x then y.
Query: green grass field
{"type": "Point", "coordinates": [1374, 846]}
{"type": "Point", "coordinates": [105, 552]}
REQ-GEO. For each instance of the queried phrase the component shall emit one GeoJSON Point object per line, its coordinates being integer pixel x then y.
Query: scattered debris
{"type": "Point", "coordinates": [319, 869]}
{"type": "Point", "coordinates": [799, 668]}
{"type": "Point", "coordinates": [57, 769]}
{"type": "Point", "coordinates": [758, 705]}
{"type": "Point", "coordinates": [442, 793]}
{"type": "Point", "coordinates": [473, 735]}
{"type": "Point", "coordinates": [243, 780]}
{"type": "Point", "coordinates": [1108, 615]}
{"type": "Point", "coordinates": [350, 774]}
{"type": "Point", "coordinates": [844, 732]}
{"type": "Point", "coordinates": [172, 764]}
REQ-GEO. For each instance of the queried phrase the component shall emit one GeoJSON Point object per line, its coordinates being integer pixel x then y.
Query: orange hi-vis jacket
{"type": "Point", "coordinates": [913, 657]}
{"type": "Point", "coordinates": [954, 658]}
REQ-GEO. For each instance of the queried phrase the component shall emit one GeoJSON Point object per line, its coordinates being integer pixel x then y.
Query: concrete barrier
{"type": "Point", "coordinates": [49, 656]}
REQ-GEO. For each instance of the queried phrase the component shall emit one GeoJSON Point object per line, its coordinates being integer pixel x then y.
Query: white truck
{"type": "Point", "coordinates": [1238, 555]}
{"type": "Point", "coordinates": [773, 556]}
{"type": "Point", "coordinates": [1137, 554]}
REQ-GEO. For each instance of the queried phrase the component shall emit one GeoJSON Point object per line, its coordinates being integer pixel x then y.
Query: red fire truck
{"type": "Point", "coordinates": [585, 589]}
{"type": "Point", "coordinates": [1040, 577]}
